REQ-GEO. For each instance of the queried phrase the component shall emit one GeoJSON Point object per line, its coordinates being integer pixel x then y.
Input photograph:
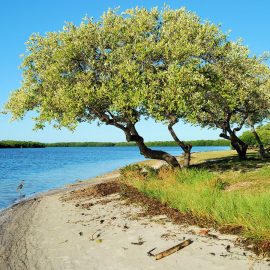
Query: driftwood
{"type": "Point", "coordinates": [138, 243]}
{"type": "Point", "coordinates": [171, 250]}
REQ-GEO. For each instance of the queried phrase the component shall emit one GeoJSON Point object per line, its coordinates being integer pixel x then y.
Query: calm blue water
{"type": "Point", "coordinates": [48, 168]}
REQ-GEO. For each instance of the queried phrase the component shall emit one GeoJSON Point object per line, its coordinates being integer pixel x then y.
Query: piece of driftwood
{"type": "Point", "coordinates": [138, 243]}
{"type": "Point", "coordinates": [171, 250]}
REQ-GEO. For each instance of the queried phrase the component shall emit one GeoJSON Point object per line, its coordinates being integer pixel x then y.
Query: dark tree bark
{"type": "Point", "coordinates": [239, 146]}
{"type": "Point", "coordinates": [258, 139]}
{"type": "Point", "coordinates": [236, 143]}
{"type": "Point", "coordinates": [185, 147]}
{"type": "Point", "coordinates": [230, 134]}
{"type": "Point", "coordinates": [132, 135]}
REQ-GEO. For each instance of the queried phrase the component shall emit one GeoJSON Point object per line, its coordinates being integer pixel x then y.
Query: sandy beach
{"type": "Point", "coordinates": [81, 227]}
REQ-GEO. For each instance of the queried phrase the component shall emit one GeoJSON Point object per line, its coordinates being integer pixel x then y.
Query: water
{"type": "Point", "coordinates": [48, 168]}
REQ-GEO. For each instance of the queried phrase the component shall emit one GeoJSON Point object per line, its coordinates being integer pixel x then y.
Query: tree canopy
{"type": "Point", "coordinates": [236, 90]}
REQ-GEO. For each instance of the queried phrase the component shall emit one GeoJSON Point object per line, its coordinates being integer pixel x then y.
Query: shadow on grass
{"type": "Point", "coordinates": [232, 163]}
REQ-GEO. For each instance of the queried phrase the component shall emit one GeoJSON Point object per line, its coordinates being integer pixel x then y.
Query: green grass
{"type": "Point", "coordinates": [219, 192]}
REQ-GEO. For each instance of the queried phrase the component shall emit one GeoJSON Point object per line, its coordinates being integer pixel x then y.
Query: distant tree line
{"type": "Point", "coordinates": [173, 143]}
{"type": "Point", "coordinates": [20, 144]}
{"type": "Point", "coordinates": [30, 144]}
{"type": "Point", "coordinates": [167, 65]}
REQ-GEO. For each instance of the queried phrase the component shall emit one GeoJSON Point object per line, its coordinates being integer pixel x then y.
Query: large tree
{"type": "Point", "coordinates": [93, 72]}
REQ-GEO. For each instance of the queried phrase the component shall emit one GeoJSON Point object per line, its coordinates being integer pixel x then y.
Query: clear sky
{"type": "Point", "coordinates": [247, 19]}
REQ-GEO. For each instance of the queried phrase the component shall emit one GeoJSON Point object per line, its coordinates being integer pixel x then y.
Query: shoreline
{"type": "Point", "coordinates": [75, 228]}
{"type": "Point", "coordinates": [77, 184]}
{"type": "Point", "coordinates": [14, 197]}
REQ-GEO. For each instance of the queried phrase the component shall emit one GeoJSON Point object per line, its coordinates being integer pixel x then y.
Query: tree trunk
{"type": "Point", "coordinates": [237, 144]}
{"type": "Point", "coordinates": [241, 149]}
{"type": "Point", "coordinates": [156, 154]}
{"type": "Point", "coordinates": [185, 147]}
{"type": "Point", "coordinates": [187, 155]}
{"type": "Point", "coordinates": [258, 139]}
{"type": "Point", "coordinates": [133, 136]}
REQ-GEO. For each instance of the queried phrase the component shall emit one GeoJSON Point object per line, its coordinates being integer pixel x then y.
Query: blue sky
{"type": "Point", "coordinates": [247, 19]}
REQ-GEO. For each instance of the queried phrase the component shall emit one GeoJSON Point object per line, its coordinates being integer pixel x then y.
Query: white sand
{"type": "Point", "coordinates": [45, 234]}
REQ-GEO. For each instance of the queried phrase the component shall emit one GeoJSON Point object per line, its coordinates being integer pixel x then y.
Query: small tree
{"type": "Point", "coordinates": [230, 97]}
{"type": "Point", "coordinates": [259, 137]}
{"type": "Point", "coordinates": [183, 46]}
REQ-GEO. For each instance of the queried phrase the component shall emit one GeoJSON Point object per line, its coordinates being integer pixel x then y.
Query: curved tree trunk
{"type": "Point", "coordinates": [133, 136]}
{"type": "Point", "coordinates": [258, 139]}
{"type": "Point", "coordinates": [241, 149]}
{"type": "Point", "coordinates": [156, 154]}
{"type": "Point", "coordinates": [185, 147]}
{"type": "Point", "coordinates": [237, 144]}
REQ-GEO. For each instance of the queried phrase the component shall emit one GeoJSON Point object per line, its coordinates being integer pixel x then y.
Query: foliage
{"type": "Point", "coordinates": [236, 91]}
{"type": "Point", "coordinates": [237, 87]}
{"type": "Point", "coordinates": [263, 132]}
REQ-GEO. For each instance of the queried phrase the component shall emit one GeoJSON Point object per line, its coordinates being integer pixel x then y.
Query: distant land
{"type": "Point", "coordinates": [30, 144]}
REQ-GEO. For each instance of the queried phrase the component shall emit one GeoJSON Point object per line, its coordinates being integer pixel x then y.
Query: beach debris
{"type": "Point", "coordinates": [97, 236]}
{"type": "Point", "coordinates": [63, 242]}
{"type": "Point", "coordinates": [169, 251]}
{"type": "Point", "coordinates": [101, 221]}
{"type": "Point", "coordinates": [149, 253]}
{"type": "Point", "coordinates": [212, 235]}
{"type": "Point", "coordinates": [212, 253]}
{"type": "Point", "coordinates": [168, 236]}
{"type": "Point", "coordinates": [228, 248]}
{"type": "Point", "coordinates": [139, 243]}
{"type": "Point", "coordinates": [80, 233]}
{"type": "Point", "coordinates": [126, 226]}
{"type": "Point", "coordinates": [204, 232]}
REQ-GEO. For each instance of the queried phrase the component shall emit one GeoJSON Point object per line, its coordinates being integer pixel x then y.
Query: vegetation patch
{"type": "Point", "coordinates": [209, 196]}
